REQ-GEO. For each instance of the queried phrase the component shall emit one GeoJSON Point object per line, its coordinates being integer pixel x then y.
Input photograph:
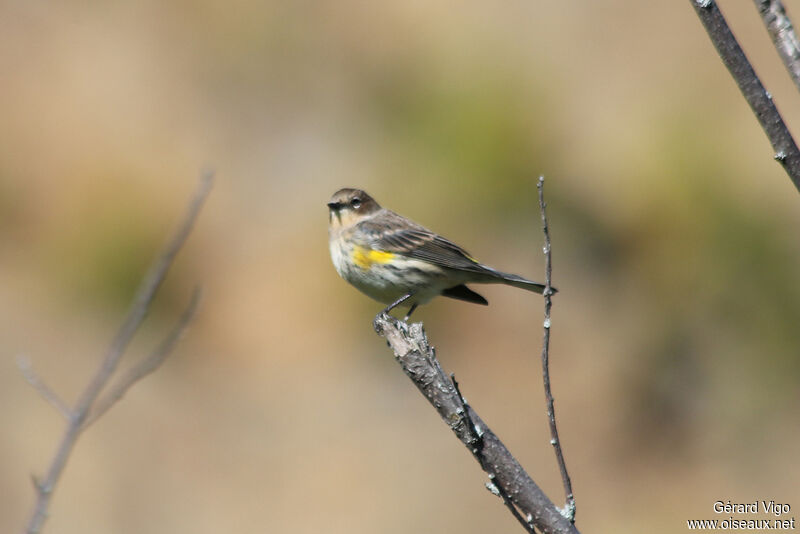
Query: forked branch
{"type": "Point", "coordinates": [507, 479]}
{"type": "Point", "coordinates": [87, 409]}
{"type": "Point", "coordinates": [418, 359]}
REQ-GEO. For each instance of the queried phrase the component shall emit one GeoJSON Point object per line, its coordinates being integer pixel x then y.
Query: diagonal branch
{"type": "Point", "coordinates": [142, 299]}
{"type": "Point", "coordinates": [141, 304]}
{"type": "Point", "coordinates": [786, 151]}
{"type": "Point", "coordinates": [569, 509]}
{"type": "Point", "coordinates": [496, 489]}
{"type": "Point", "coordinates": [147, 365]}
{"type": "Point", "coordinates": [418, 359]}
{"type": "Point", "coordinates": [783, 36]}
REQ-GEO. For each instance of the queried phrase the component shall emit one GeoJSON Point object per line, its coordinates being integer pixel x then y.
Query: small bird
{"type": "Point", "coordinates": [395, 260]}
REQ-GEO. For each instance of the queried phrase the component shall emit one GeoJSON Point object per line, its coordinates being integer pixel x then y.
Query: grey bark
{"type": "Point", "coordinates": [786, 151]}
{"type": "Point", "coordinates": [418, 359]}
{"type": "Point", "coordinates": [782, 34]}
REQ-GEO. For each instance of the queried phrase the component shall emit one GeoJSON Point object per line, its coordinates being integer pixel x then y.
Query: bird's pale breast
{"type": "Point", "coordinates": [385, 276]}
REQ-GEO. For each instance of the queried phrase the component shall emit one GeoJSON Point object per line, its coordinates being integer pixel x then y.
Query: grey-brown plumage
{"type": "Point", "coordinates": [409, 260]}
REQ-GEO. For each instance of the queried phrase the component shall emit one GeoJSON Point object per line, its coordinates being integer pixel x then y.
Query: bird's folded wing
{"type": "Point", "coordinates": [401, 236]}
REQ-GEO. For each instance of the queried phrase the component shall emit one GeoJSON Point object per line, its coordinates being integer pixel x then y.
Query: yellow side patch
{"type": "Point", "coordinates": [364, 258]}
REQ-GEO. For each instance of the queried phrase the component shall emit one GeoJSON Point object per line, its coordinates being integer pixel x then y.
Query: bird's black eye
{"type": "Point", "coordinates": [355, 203]}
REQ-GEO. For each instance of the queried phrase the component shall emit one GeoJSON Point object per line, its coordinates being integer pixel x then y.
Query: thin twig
{"type": "Point", "coordinates": [147, 365]}
{"type": "Point", "coordinates": [141, 304]}
{"type": "Point", "coordinates": [786, 151]}
{"type": "Point", "coordinates": [418, 359]}
{"type": "Point", "coordinates": [782, 33]}
{"type": "Point", "coordinates": [569, 509]}
{"type": "Point", "coordinates": [26, 367]}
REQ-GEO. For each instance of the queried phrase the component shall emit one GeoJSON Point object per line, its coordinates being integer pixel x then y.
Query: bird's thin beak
{"type": "Point", "coordinates": [335, 211]}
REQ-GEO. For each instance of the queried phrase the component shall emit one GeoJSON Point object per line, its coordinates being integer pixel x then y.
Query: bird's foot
{"type": "Point", "coordinates": [379, 321]}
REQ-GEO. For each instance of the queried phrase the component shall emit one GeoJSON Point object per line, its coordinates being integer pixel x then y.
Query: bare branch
{"type": "Point", "coordinates": [418, 359]}
{"type": "Point", "coordinates": [782, 33]}
{"type": "Point", "coordinates": [494, 489]}
{"type": "Point", "coordinates": [786, 151]}
{"type": "Point", "coordinates": [147, 365]}
{"type": "Point", "coordinates": [143, 297]}
{"type": "Point", "coordinates": [141, 304]}
{"type": "Point", "coordinates": [569, 509]}
{"type": "Point", "coordinates": [26, 367]}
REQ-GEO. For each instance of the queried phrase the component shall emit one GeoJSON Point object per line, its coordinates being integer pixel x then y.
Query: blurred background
{"type": "Point", "coordinates": [675, 335]}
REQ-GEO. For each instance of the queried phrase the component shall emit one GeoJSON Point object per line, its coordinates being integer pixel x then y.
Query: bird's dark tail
{"type": "Point", "coordinates": [516, 281]}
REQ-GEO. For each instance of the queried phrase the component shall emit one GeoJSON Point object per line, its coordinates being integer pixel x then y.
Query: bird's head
{"type": "Point", "coordinates": [348, 206]}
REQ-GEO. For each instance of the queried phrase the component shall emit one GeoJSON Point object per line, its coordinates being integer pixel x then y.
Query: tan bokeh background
{"type": "Point", "coordinates": [675, 340]}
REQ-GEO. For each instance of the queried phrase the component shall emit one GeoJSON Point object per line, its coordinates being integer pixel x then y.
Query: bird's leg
{"type": "Point", "coordinates": [395, 304]}
{"type": "Point", "coordinates": [390, 307]}
{"type": "Point", "coordinates": [410, 311]}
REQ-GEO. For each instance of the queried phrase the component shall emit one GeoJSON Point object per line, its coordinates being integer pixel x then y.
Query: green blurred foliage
{"type": "Point", "coordinates": [478, 130]}
{"type": "Point", "coordinates": [721, 281]}
{"type": "Point", "coordinates": [100, 253]}
{"type": "Point", "coordinates": [676, 336]}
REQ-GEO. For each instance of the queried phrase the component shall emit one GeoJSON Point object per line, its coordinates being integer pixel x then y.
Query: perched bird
{"type": "Point", "coordinates": [396, 261]}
